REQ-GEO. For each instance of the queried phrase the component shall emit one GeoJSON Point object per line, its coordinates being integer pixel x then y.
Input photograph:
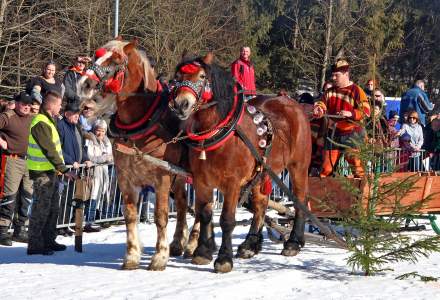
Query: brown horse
{"type": "Point", "coordinates": [124, 75]}
{"type": "Point", "coordinates": [229, 164]}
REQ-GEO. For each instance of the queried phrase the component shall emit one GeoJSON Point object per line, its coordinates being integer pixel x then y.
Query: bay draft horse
{"type": "Point", "coordinates": [229, 165]}
{"type": "Point", "coordinates": [142, 121]}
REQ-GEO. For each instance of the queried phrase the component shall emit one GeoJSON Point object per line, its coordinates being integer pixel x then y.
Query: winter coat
{"type": "Point", "coordinates": [71, 142]}
{"type": "Point", "coordinates": [244, 73]}
{"type": "Point", "coordinates": [415, 131]}
{"type": "Point", "coordinates": [85, 124]}
{"type": "Point", "coordinates": [99, 153]}
{"type": "Point", "coordinates": [70, 80]}
{"type": "Point", "coordinates": [415, 99]}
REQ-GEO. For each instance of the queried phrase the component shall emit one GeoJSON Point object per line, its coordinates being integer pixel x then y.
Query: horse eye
{"type": "Point", "coordinates": [202, 76]}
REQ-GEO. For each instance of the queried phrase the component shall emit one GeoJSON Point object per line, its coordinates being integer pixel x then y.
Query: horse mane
{"type": "Point", "coordinates": [222, 84]}
{"type": "Point", "coordinates": [118, 47]}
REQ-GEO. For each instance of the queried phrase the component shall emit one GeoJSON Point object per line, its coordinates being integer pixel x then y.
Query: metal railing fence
{"type": "Point", "coordinates": [109, 205]}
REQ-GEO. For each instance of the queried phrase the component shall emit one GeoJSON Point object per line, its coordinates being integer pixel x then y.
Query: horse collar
{"type": "Point", "coordinates": [222, 132]}
{"type": "Point", "coordinates": [148, 124]}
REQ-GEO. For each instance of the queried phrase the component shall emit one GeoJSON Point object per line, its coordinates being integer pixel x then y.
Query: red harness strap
{"type": "Point", "coordinates": [146, 117]}
{"type": "Point", "coordinates": [214, 131]}
{"type": "Point", "coordinates": [2, 175]}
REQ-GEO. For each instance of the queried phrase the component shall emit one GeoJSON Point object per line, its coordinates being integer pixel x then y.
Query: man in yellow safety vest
{"type": "Point", "coordinates": [45, 162]}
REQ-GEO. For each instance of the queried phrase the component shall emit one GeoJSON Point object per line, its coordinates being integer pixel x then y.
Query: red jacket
{"type": "Point", "coordinates": [243, 72]}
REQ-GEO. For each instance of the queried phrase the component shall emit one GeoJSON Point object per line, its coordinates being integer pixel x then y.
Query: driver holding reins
{"type": "Point", "coordinates": [348, 103]}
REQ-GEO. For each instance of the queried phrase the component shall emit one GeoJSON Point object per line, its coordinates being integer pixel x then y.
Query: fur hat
{"type": "Point", "coordinates": [340, 66]}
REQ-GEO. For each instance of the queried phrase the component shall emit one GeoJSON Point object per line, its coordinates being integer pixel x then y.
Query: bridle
{"type": "Point", "coordinates": [201, 89]}
{"type": "Point", "coordinates": [110, 78]}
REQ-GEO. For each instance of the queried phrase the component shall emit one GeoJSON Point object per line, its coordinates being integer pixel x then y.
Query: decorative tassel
{"type": "Point", "coordinates": [202, 155]}
{"type": "Point", "coordinates": [266, 187]}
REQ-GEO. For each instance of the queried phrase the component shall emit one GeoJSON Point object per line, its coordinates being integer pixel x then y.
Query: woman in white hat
{"type": "Point", "coordinates": [99, 150]}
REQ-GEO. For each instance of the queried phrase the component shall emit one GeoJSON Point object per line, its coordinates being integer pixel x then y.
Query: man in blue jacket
{"type": "Point", "coordinates": [72, 144]}
{"type": "Point", "coordinates": [415, 99]}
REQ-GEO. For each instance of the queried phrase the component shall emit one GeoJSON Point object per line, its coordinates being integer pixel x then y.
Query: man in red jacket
{"type": "Point", "coordinates": [348, 101]}
{"type": "Point", "coordinates": [243, 71]}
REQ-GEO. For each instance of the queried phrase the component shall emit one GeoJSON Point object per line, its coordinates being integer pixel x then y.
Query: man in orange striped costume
{"type": "Point", "coordinates": [348, 101]}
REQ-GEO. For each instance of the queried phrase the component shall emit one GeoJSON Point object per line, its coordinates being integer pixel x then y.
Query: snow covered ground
{"type": "Point", "coordinates": [317, 273]}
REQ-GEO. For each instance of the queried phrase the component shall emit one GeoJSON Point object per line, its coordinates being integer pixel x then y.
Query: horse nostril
{"type": "Point", "coordinates": [185, 104]}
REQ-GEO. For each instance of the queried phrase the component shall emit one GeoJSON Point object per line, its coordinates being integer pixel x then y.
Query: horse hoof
{"type": "Point", "coordinates": [291, 249]}
{"type": "Point", "coordinates": [188, 254]}
{"type": "Point", "coordinates": [289, 252]}
{"type": "Point", "coordinates": [158, 262]}
{"type": "Point", "coordinates": [175, 249]}
{"type": "Point", "coordinates": [152, 267]}
{"type": "Point", "coordinates": [130, 266]}
{"type": "Point", "coordinates": [245, 253]}
{"type": "Point", "coordinates": [200, 260]}
{"type": "Point", "coordinates": [223, 265]}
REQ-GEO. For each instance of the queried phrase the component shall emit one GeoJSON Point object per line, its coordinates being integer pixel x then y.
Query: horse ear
{"type": "Point", "coordinates": [184, 55]}
{"type": "Point", "coordinates": [135, 41]}
{"type": "Point", "coordinates": [208, 58]}
{"type": "Point", "coordinates": [130, 46]}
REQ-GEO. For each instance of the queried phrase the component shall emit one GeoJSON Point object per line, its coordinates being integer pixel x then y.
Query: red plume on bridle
{"type": "Point", "coordinates": [191, 68]}
{"type": "Point", "coordinates": [100, 52]}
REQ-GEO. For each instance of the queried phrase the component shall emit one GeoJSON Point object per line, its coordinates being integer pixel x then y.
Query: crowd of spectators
{"type": "Point", "coordinates": [84, 146]}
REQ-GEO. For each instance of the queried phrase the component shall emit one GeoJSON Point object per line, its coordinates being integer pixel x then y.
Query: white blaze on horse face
{"type": "Point", "coordinates": [85, 91]}
{"type": "Point", "coordinates": [184, 101]}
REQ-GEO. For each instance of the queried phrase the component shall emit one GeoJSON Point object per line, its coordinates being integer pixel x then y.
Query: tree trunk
{"type": "Point", "coordinates": [4, 4]}
{"type": "Point", "coordinates": [327, 41]}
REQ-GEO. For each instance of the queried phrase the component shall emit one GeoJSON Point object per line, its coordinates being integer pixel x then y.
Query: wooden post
{"type": "Point", "coordinates": [79, 218]}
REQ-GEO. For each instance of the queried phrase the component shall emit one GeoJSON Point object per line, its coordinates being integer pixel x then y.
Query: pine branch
{"type": "Point", "coordinates": [413, 251]}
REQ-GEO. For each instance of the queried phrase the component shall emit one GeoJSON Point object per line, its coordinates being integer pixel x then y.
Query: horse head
{"type": "Point", "coordinates": [119, 70]}
{"type": "Point", "coordinates": [192, 86]}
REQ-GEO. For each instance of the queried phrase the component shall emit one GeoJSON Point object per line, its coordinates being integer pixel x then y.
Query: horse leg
{"type": "Point", "coordinates": [298, 175]}
{"type": "Point", "coordinates": [254, 239]}
{"type": "Point", "coordinates": [180, 237]}
{"type": "Point", "coordinates": [134, 248]}
{"type": "Point", "coordinates": [223, 263]}
{"type": "Point", "coordinates": [193, 238]}
{"type": "Point", "coordinates": [206, 242]}
{"type": "Point", "coordinates": [160, 258]}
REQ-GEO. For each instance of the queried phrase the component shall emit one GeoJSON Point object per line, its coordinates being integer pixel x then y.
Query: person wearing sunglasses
{"type": "Point", "coordinates": [415, 131]}
{"type": "Point", "coordinates": [71, 77]}
{"type": "Point", "coordinates": [87, 116]}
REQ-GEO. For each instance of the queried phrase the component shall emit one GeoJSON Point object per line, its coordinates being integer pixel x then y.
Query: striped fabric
{"type": "Point", "coordinates": [351, 98]}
